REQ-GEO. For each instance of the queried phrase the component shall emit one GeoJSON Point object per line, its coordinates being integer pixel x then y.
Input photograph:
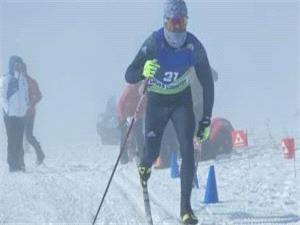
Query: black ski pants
{"type": "Point", "coordinates": [180, 112]}
{"type": "Point", "coordinates": [15, 132]}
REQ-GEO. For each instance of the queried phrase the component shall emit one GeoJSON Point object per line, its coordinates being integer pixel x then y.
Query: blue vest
{"type": "Point", "coordinates": [175, 66]}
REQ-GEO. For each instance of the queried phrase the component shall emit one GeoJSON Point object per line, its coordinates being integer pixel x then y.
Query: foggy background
{"type": "Point", "coordinates": [78, 52]}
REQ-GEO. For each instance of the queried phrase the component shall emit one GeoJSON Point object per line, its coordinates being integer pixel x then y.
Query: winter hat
{"type": "Point", "coordinates": [175, 8]}
{"type": "Point", "coordinates": [12, 60]}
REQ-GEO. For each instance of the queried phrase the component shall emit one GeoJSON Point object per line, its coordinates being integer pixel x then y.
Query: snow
{"type": "Point", "coordinates": [255, 186]}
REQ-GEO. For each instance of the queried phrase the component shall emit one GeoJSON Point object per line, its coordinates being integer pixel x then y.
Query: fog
{"type": "Point", "coordinates": [78, 51]}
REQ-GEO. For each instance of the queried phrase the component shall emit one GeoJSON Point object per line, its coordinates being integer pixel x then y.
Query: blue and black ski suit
{"type": "Point", "coordinates": [169, 97]}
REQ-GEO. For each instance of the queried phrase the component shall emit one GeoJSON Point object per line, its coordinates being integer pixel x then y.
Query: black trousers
{"type": "Point", "coordinates": [180, 112]}
{"type": "Point", "coordinates": [29, 125]}
{"type": "Point", "coordinates": [15, 132]}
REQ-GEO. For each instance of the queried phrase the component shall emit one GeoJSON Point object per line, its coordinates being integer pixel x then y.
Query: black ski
{"type": "Point", "coordinates": [147, 203]}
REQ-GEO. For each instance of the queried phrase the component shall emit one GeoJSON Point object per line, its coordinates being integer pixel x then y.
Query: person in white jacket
{"type": "Point", "coordinates": [14, 98]}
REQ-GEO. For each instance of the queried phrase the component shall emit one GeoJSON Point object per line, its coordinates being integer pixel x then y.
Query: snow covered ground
{"type": "Point", "coordinates": [255, 185]}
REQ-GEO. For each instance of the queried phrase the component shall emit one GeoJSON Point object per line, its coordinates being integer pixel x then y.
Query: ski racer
{"type": "Point", "coordinates": [167, 59]}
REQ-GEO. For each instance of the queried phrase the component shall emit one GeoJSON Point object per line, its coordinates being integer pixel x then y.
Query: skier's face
{"type": "Point", "coordinates": [18, 67]}
{"type": "Point", "coordinates": [176, 24]}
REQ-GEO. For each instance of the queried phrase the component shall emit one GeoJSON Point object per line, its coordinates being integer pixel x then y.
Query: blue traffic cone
{"type": "Point", "coordinates": [174, 166]}
{"type": "Point", "coordinates": [211, 193]}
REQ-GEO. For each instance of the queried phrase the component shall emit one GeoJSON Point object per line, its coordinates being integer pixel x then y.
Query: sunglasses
{"type": "Point", "coordinates": [176, 24]}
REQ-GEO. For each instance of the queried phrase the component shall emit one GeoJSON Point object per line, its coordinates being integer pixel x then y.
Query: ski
{"type": "Point", "coordinates": [147, 203]}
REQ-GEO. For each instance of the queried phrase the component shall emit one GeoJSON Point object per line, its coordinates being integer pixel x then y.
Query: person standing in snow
{"type": "Point", "coordinates": [35, 97]}
{"type": "Point", "coordinates": [14, 97]}
{"type": "Point", "coordinates": [107, 125]}
{"type": "Point", "coordinates": [168, 58]}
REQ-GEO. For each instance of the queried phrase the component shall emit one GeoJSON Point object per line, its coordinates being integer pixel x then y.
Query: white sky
{"type": "Point", "coordinates": [78, 51]}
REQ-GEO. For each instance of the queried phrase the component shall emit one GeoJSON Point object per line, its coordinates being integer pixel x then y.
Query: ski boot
{"type": "Point", "coordinates": [144, 172]}
{"type": "Point", "coordinates": [186, 213]}
{"type": "Point", "coordinates": [189, 218]}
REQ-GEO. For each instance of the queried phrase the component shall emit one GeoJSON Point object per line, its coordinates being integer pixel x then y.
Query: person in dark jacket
{"type": "Point", "coordinates": [167, 59]}
{"type": "Point", "coordinates": [35, 96]}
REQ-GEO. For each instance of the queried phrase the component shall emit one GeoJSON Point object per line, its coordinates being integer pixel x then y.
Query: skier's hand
{"type": "Point", "coordinates": [203, 129]}
{"type": "Point", "coordinates": [150, 68]}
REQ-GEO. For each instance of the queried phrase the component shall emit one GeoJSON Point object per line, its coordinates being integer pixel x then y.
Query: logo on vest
{"type": "Point", "coordinates": [151, 134]}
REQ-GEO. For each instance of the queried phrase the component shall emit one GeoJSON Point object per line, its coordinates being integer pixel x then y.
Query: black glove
{"type": "Point", "coordinates": [203, 129]}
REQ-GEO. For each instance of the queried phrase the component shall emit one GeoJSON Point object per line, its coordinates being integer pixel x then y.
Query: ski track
{"type": "Point", "coordinates": [160, 212]}
{"type": "Point", "coordinates": [68, 187]}
{"type": "Point", "coordinates": [137, 215]}
{"type": "Point", "coordinates": [164, 212]}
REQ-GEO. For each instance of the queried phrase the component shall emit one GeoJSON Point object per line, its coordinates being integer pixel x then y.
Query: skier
{"type": "Point", "coordinates": [167, 59]}
{"type": "Point", "coordinates": [35, 96]}
{"type": "Point", "coordinates": [14, 96]}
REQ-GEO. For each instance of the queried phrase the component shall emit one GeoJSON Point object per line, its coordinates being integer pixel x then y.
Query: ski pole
{"type": "Point", "coordinates": [198, 158]}
{"type": "Point", "coordinates": [197, 155]}
{"type": "Point", "coordinates": [122, 148]}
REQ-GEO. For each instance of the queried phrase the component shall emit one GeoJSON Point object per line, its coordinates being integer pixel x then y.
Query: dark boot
{"type": "Point", "coordinates": [189, 218]}
{"type": "Point", "coordinates": [144, 172]}
{"type": "Point", "coordinates": [13, 169]}
{"type": "Point", "coordinates": [186, 213]}
{"type": "Point", "coordinates": [17, 169]}
{"type": "Point", "coordinates": [40, 155]}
